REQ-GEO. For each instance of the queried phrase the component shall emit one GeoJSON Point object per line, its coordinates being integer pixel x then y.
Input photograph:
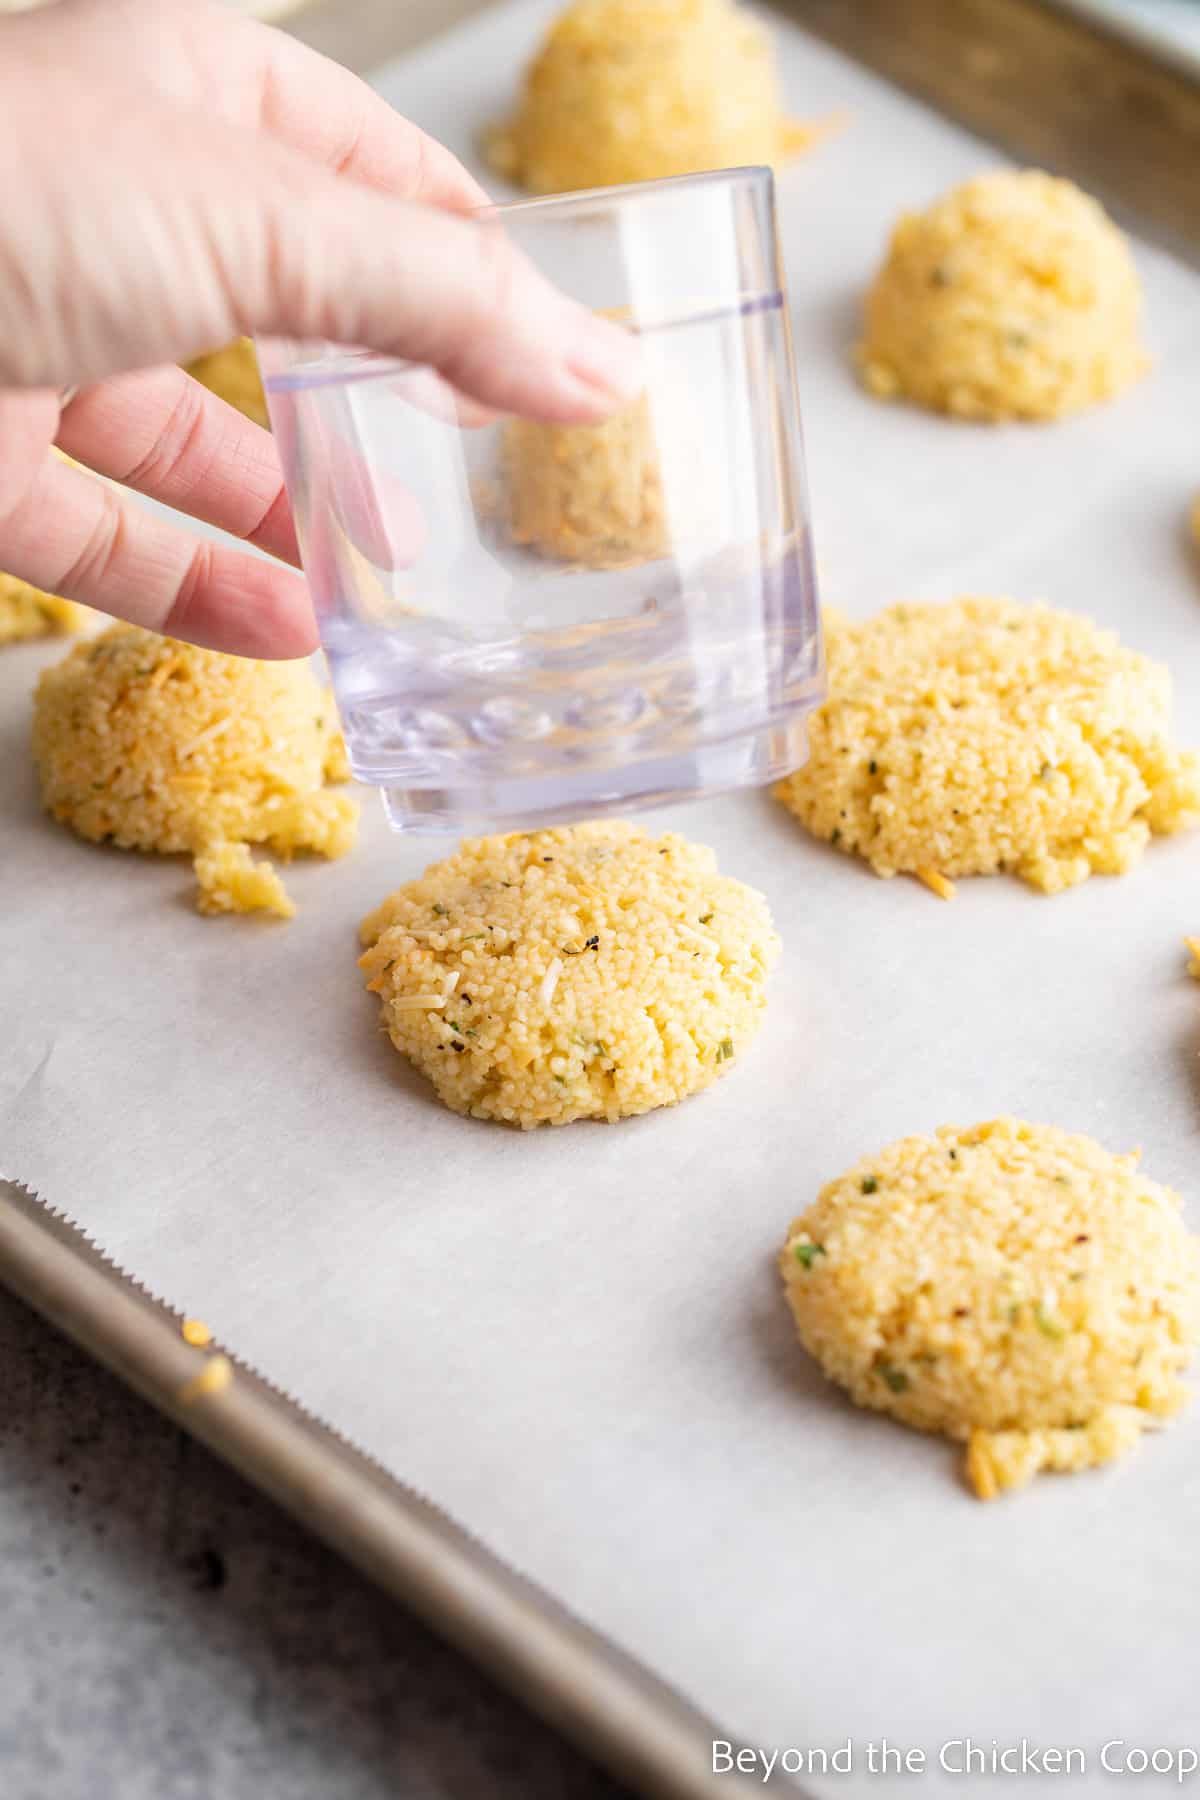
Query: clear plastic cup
{"type": "Point", "coordinates": [529, 624]}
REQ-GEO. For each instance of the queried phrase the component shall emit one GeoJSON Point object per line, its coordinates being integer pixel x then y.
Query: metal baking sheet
{"type": "Point", "coordinates": [573, 1342]}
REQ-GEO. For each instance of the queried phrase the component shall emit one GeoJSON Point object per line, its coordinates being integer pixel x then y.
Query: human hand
{"type": "Point", "coordinates": [174, 175]}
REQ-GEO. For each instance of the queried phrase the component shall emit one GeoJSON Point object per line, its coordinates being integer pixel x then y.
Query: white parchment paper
{"type": "Point", "coordinates": [574, 1340]}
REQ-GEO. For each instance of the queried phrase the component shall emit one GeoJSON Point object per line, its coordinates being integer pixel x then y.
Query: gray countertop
{"type": "Point", "coordinates": [167, 1634]}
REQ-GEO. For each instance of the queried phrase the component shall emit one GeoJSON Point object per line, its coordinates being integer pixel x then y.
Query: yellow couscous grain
{"type": "Point", "coordinates": [1013, 297]}
{"type": "Point", "coordinates": [213, 1379]}
{"type": "Point", "coordinates": [588, 972]}
{"type": "Point", "coordinates": [1012, 1286]}
{"type": "Point", "coordinates": [156, 745]}
{"type": "Point", "coordinates": [986, 735]}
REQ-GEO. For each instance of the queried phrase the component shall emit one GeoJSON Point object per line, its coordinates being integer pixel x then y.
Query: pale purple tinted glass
{"type": "Point", "coordinates": [526, 627]}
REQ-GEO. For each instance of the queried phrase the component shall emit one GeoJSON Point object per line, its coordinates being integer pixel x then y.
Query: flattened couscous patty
{"type": "Point", "coordinates": [1011, 1286]}
{"type": "Point", "coordinates": [1013, 297]}
{"type": "Point", "coordinates": [631, 90]}
{"type": "Point", "coordinates": [986, 735]}
{"type": "Point", "coordinates": [156, 745]}
{"type": "Point", "coordinates": [587, 972]}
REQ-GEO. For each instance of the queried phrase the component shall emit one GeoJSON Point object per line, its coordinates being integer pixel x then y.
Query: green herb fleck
{"type": "Point", "coordinates": [870, 1184]}
{"type": "Point", "coordinates": [939, 278]}
{"type": "Point", "coordinates": [806, 1254]}
{"type": "Point", "coordinates": [96, 786]}
{"type": "Point", "coordinates": [706, 918]}
{"type": "Point", "coordinates": [1018, 340]}
{"type": "Point", "coordinates": [1014, 1312]}
{"type": "Point", "coordinates": [872, 767]}
{"type": "Point", "coordinates": [439, 911]}
{"type": "Point", "coordinates": [319, 721]}
{"type": "Point", "coordinates": [724, 1049]}
{"type": "Point", "coordinates": [1046, 1325]}
{"type": "Point", "coordinates": [895, 1378]}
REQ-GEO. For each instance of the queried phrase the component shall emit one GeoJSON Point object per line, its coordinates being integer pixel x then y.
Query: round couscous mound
{"type": "Point", "coordinates": [1012, 1286]}
{"type": "Point", "coordinates": [232, 374]}
{"type": "Point", "coordinates": [156, 745]}
{"type": "Point", "coordinates": [985, 735]}
{"type": "Point", "coordinates": [589, 972]}
{"type": "Point", "coordinates": [631, 90]}
{"type": "Point", "coordinates": [587, 494]}
{"type": "Point", "coordinates": [26, 612]}
{"type": "Point", "coordinates": [1013, 297]}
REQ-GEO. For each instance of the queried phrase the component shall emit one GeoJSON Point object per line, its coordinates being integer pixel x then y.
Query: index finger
{"type": "Point", "coordinates": [319, 108]}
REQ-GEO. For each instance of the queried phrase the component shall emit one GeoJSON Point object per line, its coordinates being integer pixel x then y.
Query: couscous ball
{"type": "Point", "coordinates": [631, 90]}
{"type": "Point", "coordinates": [232, 373]}
{"type": "Point", "coordinates": [1012, 1286]}
{"type": "Point", "coordinates": [588, 972]}
{"type": "Point", "coordinates": [156, 745]}
{"type": "Point", "coordinates": [26, 612]}
{"type": "Point", "coordinates": [986, 735]}
{"type": "Point", "coordinates": [587, 494]}
{"type": "Point", "coordinates": [1013, 297]}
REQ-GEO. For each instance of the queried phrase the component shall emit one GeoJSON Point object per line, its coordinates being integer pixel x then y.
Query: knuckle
{"type": "Point", "coordinates": [92, 567]}
{"type": "Point", "coordinates": [353, 135]}
{"type": "Point", "coordinates": [498, 274]}
{"type": "Point", "coordinates": [172, 458]}
{"type": "Point", "coordinates": [196, 577]}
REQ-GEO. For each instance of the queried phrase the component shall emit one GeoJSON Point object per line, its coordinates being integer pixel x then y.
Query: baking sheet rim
{"type": "Point", "coordinates": [613, 1707]}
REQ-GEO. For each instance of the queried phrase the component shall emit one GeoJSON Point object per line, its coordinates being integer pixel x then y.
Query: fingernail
{"type": "Point", "coordinates": [604, 355]}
